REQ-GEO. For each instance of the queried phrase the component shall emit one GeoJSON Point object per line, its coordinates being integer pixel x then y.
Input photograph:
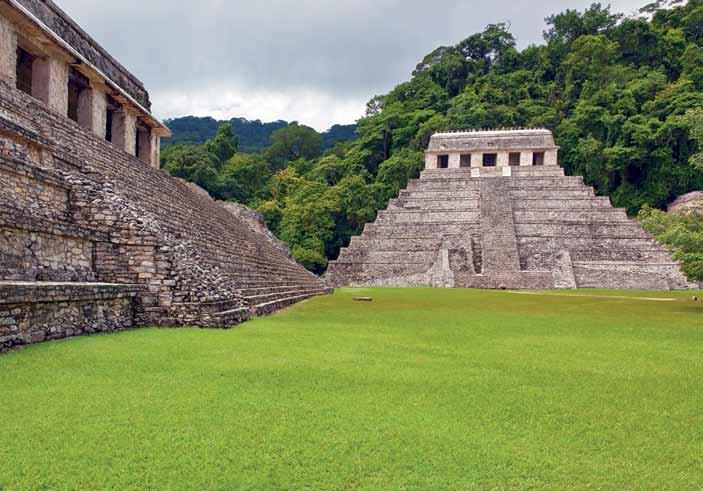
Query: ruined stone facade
{"type": "Point", "coordinates": [688, 202]}
{"type": "Point", "coordinates": [493, 209]}
{"type": "Point", "coordinates": [93, 235]}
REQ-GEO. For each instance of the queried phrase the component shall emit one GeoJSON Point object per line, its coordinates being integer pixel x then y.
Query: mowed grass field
{"type": "Point", "coordinates": [420, 389]}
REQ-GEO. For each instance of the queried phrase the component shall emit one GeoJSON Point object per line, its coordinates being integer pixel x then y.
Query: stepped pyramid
{"type": "Point", "coordinates": [493, 209]}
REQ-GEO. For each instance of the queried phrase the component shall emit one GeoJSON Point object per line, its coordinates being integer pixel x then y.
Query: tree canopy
{"type": "Point", "coordinates": [621, 94]}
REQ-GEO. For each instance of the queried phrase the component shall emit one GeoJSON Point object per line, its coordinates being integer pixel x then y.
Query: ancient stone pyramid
{"type": "Point", "coordinates": [494, 210]}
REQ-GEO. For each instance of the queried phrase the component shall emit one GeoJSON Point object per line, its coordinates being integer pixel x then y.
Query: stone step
{"type": "Point", "coordinates": [408, 216]}
{"type": "Point", "coordinates": [380, 230]}
{"type": "Point", "coordinates": [551, 229]}
{"type": "Point", "coordinates": [611, 215]}
{"type": "Point", "coordinates": [500, 251]}
{"type": "Point", "coordinates": [522, 280]}
{"type": "Point", "coordinates": [632, 275]}
{"type": "Point", "coordinates": [248, 292]}
{"type": "Point", "coordinates": [268, 308]}
{"type": "Point", "coordinates": [625, 254]}
{"type": "Point", "coordinates": [386, 256]}
{"type": "Point", "coordinates": [443, 185]}
{"type": "Point", "coordinates": [439, 195]}
{"type": "Point", "coordinates": [398, 244]}
{"type": "Point", "coordinates": [556, 243]}
{"type": "Point", "coordinates": [433, 205]}
{"type": "Point", "coordinates": [267, 297]}
{"type": "Point", "coordinates": [519, 194]}
{"type": "Point", "coordinates": [546, 182]}
{"type": "Point", "coordinates": [232, 317]}
{"type": "Point", "coordinates": [492, 172]}
{"type": "Point", "coordinates": [548, 202]}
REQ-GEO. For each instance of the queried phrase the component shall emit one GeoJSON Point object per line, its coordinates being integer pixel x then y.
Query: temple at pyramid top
{"type": "Point", "coordinates": [493, 209]}
{"type": "Point", "coordinates": [491, 148]}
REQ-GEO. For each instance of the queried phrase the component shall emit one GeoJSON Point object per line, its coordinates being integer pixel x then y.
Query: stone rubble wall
{"type": "Point", "coordinates": [32, 313]}
{"type": "Point", "coordinates": [535, 229]}
{"type": "Point", "coordinates": [81, 210]}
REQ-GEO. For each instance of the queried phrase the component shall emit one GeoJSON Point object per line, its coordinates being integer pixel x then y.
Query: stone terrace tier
{"type": "Point", "coordinates": [76, 209]}
{"type": "Point", "coordinates": [527, 227]}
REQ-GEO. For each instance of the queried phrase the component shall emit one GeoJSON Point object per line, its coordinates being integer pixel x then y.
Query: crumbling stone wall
{"type": "Point", "coordinates": [37, 256]}
{"type": "Point", "coordinates": [32, 313]}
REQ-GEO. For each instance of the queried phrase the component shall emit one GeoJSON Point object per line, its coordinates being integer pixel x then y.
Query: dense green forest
{"type": "Point", "coordinates": [618, 92]}
{"type": "Point", "coordinates": [253, 136]}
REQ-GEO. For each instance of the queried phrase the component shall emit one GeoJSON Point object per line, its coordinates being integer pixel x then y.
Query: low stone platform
{"type": "Point", "coordinates": [32, 312]}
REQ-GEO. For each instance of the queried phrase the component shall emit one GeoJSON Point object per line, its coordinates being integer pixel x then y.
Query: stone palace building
{"type": "Point", "coordinates": [493, 209]}
{"type": "Point", "coordinates": [93, 235]}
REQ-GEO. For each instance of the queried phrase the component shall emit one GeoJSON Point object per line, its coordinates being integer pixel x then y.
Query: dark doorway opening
{"type": "Point", "coordinates": [77, 83]}
{"type": "Point", "coordinates": [514, 159]}
{"type": "Point", "coordinates": [490, 159]}
{"type": "Point", "coordinates": [442, 161]}
{"type": "Point", "coordinates": [538, 158]}
{"type": "Point", "coordinates": [465, 160]}
{"type": "Point", "coordinates": [112, 108]}
{"type": "Point", "coordinates": [25, 66]}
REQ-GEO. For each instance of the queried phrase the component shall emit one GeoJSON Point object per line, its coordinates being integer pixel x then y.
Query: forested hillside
{"type": "Point", "coordinates": [618, 93]}
{"type": "Point", "coordinates": [253, 136]}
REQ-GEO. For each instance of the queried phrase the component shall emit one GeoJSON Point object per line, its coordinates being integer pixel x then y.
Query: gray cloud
{"type": "Point", "coordinates": [316, 61]}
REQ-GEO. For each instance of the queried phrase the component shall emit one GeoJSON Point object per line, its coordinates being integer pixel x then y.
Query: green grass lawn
{"type": "Point", "coordinates": [421, 389]}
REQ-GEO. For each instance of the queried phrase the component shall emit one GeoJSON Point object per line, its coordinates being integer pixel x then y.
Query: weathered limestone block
{"type": "Point", "coordinates": [564, 278]}
{"type": "Point", "coordinates": [92, 110]}
{"type": "Point", "coordinates": [124, 131]}
{"type": "Point", "coordinates": [8, 52]}
{"type": "Point", "coordinates": [50, 83]}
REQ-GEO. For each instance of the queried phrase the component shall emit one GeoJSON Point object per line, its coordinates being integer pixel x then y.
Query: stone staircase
{"type": "Point", "coordinates": [500, 254]}
{"type": "Point", "coordinates": [75, 209]}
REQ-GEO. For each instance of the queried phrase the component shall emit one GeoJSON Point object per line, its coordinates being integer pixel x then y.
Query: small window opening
{"type": "Point", "coordinates": [442, 161]}
{"type": "Point", "coordinates": [112, 108]}
{"type": "Point", "coordinates": [514, 159]}
{"type": "Point", "coordinates": [490, 159]}
{"type": "Point", "coordinates": [137, 143]}
{"type": "Point", "coordinates": [25, 63]}
{"type": "Point", "coordinates": [465, 160]}
{"type": "Point", "coordinates": [538, 158]}
{"type": "Point", "coordinates": [77, 83]}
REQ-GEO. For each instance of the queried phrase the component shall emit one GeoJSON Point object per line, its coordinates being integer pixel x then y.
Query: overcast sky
{"type": "Point", "coordinates": [314, 61]}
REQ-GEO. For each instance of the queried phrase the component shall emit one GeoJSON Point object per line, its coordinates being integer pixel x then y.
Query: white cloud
{"type": "Point", "coordinates": [316, 61]}
{"type": "Point", "coordinates": [310, 107]}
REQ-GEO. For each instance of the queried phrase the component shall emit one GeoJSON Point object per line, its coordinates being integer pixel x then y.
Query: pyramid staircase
{"type": "Point", "coordinates": [88, 224]}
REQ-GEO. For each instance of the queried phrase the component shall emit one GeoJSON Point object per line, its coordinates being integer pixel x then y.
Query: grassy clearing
{"type": "Point", "coordinates": [421, 389]}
